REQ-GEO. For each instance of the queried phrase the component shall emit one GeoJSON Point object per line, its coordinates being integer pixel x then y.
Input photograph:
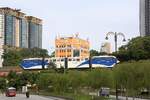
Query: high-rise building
{"type": "Point", "coordinates": [71, 47]}
{"type": "Point", "coordinates": [35, 31]}
{"type": "Point", "coordinates": [106, 47]}
{"type": "Point", "coordinates": [11, 22]}
{"type": "Point", "coordinates": [18, 30]}
{"type": "Point", "coordinates": [144, 17]}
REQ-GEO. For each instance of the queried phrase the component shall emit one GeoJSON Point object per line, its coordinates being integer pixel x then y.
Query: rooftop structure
{"type": "Point", "coordinates": [10, 11]}
{"type": "Point", "coordinates": [34, 19]}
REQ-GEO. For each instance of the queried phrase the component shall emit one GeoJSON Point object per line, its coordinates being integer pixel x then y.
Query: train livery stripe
{"type": "Point", "coordinates": [103, 61]}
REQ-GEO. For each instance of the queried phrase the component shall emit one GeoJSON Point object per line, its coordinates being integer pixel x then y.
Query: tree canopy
{"type": "Point", "coordinates": [12, 56]}
{"type": "Point", "coordinates": [137, 49]}
{"type": "Point", "coordinates": [96, 53]}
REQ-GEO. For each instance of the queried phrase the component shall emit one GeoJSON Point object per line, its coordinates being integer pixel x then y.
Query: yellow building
{"type": "Point", "coordinates": [71, 47]}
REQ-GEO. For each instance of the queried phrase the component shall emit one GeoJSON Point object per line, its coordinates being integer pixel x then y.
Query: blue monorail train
{"type": "Point", "coordinates": [33, 63]}
{"type": "Point", "coordinates": [96, 61]}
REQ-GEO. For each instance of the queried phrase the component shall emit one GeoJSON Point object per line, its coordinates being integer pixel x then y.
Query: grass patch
{"type": "Point", "coordinates": [71, 96]}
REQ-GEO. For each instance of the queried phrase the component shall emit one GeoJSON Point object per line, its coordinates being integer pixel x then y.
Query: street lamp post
{"type": "Point", "coordinates": [115, 37]}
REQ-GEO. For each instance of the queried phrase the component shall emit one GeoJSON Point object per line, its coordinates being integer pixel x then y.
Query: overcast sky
{"type": "Point", "coordinates": [91, 18]}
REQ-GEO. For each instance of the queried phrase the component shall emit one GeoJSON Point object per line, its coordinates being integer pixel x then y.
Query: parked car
{"type": "Point", "coordinates": [104, 91]}
{"type": "Point", "coordinates": [10, 92]}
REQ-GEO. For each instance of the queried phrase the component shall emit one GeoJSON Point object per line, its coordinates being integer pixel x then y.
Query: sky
{"type": "Point", "coordinates": [92, 19]}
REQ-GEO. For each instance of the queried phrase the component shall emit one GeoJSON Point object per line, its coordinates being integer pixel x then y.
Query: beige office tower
{"type": "Point", "coordinates": [106, 47]}
{"type": "Point", "coordinates": [17, 42]}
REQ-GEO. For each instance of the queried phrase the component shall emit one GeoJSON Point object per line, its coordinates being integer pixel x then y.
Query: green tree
{"type": "Point", "coordinates": [133, 77]}
{"type": "Point", "coordinates": [99, 78]}
{"type": "Point", "coordinates": [61, 83]}
{"type": "Point", "coordinates": [2, 84]}
{"type": "Point", "coordinates": [94, 53]}
{"type": "Point", "coordinates": [11, 58]}
{"type": "Point", "coordinates": [138, 48]}
{"type": "Point", "coordinates": [13, 79]}
{"type": "Point", "coordinates": [44, 81]}
{"type": "Point", "coordinates": [33, 52]}
{"type": "Point", "coordinates": [27, 77]}
{"type": "Point", "coordinates": [52, 54]}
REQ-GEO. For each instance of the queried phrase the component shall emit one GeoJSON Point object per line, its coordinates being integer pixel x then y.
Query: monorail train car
{"type": "Point", "coordinates": [76, 63]}
{"type": "Point", "coordinates": [100, 61]}
{"type": "Point", "coordinates": [96, 61]}
{"type": "Point", "coordinates": [34, 63]}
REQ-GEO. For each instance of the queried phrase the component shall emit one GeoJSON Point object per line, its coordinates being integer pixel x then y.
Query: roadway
{"type": "Point", "coordinates": [124, 98]}
{"type": "Point", "coordinates": [37, 97]}
{"type": "Point", "coordinates": [32, 97]}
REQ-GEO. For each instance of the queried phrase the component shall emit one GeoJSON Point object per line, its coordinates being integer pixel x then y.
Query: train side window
{"type": "Point", "coordinates": [78, 59]}
{"type": "Point", "coordinates": [86, 59]}
{"type": "Point", "coordinates": [62, 59]}
{"type": "Point", "coordinates": [70, 59]}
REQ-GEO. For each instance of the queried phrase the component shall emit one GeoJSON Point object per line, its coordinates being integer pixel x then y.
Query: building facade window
{"type": "Point", "coordinates": [24, 33]}
{"type": "Point", "coordinates": [9, 30]}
